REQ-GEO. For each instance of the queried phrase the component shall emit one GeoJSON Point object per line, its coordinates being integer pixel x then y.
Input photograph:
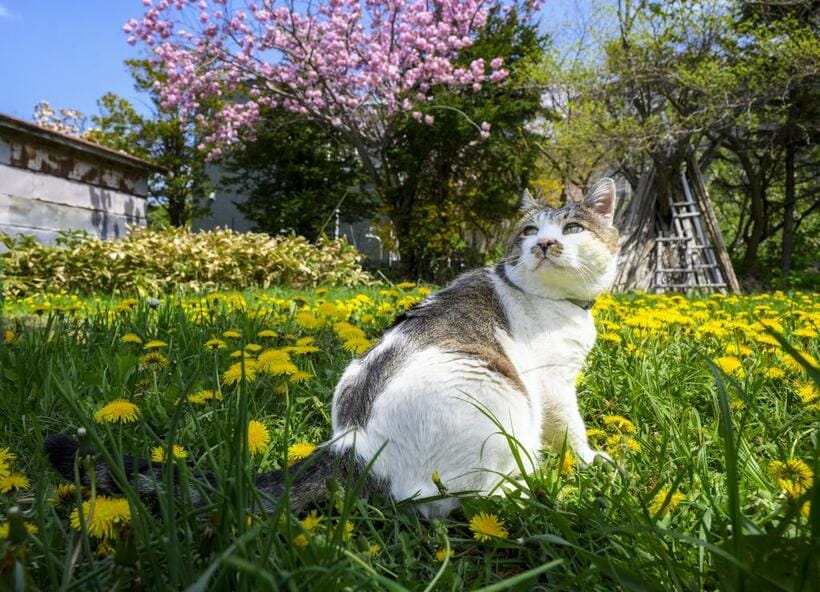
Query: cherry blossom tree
{"type": "Point", "coordinates": [352, 66]}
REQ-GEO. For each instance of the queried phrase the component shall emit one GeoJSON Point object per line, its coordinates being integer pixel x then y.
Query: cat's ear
{"type": "Point", "coordinates": [528, 202]}
{"type": "Point", "coordinates": [601, 198]}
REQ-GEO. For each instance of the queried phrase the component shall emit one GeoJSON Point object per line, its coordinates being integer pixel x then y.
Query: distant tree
{"type": "Point", "coordinates": [161, 138]}
{"type": "Point", "coordinates": [295, 175]}
{"type": "Point", "coordinates": [358, 68]}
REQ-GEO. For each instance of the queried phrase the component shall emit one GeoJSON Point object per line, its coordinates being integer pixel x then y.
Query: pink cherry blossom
{"type": "Point", "coordinates": [347, 63]}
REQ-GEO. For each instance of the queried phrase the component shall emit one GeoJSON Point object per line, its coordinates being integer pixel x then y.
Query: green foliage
{"type": "Point", "coordinates": [456, 190]}
{"type": "Point", "coordinates": [158, 261]}
{"type": "Point", "coordinates": [295, 175]}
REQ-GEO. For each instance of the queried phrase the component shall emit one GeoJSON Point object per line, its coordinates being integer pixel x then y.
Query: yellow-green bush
{"type": "Point", "coordinates": [152, 261]}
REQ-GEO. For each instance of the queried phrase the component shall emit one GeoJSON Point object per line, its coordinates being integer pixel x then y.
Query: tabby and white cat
{"type": "Point", "coordinates": [496, 352]}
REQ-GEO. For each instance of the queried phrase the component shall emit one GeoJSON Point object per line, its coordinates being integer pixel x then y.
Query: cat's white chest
{"type": "Point", "coordinates": [548, 343]}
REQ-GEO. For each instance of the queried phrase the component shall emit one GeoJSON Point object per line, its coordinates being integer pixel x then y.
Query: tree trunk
{"type": "Point", "coordinates": [758, 220]}
{"type": "Point", "coordinates": [788, 212]}
{"type": "Point", "coordinates": [176, 210]}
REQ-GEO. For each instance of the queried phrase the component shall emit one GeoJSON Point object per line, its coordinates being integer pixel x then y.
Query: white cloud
{"type": "Point", "coordinates": [4, 12]}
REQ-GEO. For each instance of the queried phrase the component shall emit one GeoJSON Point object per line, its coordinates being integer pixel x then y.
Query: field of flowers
{"type": "Point", "coordinates": [709, 405]}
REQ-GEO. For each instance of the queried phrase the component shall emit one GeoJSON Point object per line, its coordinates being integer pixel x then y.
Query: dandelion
{"type": "Point", "coordinates": [16, 481]}
{"type": "Point", "coordinates": [730, 365]}
{"type": "Point", "coordinates": [6, 457]}
{"type": "Point", "coordinates": [619, 443]}
{"type": "Point", "coordinates": [214, 344]}
{"type": "Point", "coordinates": [610, 337]}
{"type": "Point", "coordinates": [793, 476]}
{"type": "Point", "coordinates": [809, 394]}
{"type": "Point", "coordinates": [65, 493]}
{"type": "Point", "coordinates": [300, 541]}
{"type": "Point", "coordinates": [131, 338]}
{"type": "Point", "coordinates": [620, 422]}
{"type": "Point", "coordinates": [793, 364]}
{"type": "Point", "coordinates": [234, 373]}
{"type": "Point", "coordinates": [258, 437]}
{"type": "Point", "coordinates": [806, 332]}
{"type": "Point", "coordinates": [661, 505]}
{"type": "Point", "coordinates": [204, 396]}
{"type": "Point", "coordinates": [177, 453]}
{"type": "Point", "coordinates": [4, 529]}
{"type": "Point", "coordinates": [103, 516]}
{"type": "Point", "coordinates": [232, 334]}
{"type": "Point", "coordinates": [442, 553]}
{"type": "Point", "coordinates": [300, 376]}
{"type": "Point", "coordinates": [276, 362]}
{"type": "Point", "coordinates": [155, 344]}
{"type": "Point", "coordinates": [566, 463]}
{"type": "Point", "coordinates": [153, 360]}
{"type": "Point", "coordinates": [374, 549]}
{"type": "Point", "coordinates": [308, 321]}
{"type": "Point", "coordinates": [311, 522]}
{"type": "Point", "coordinates": [487, 526]}
{"type": "Point", "coordinates": [117, 411]}
{"type": "Point", "coordinates": [299, 451]}
{"type": "Point", "coordinates": [357, 345]}
{"type": "Point", "coordinates": [10, 337]}
{"type": "Point", "coordinates": [774, 373]}
{"type": "Point", "coordinates": [267, 334]}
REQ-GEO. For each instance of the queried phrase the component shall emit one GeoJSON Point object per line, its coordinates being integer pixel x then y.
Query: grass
{"type": "Point", "coordinates": [713, 420]}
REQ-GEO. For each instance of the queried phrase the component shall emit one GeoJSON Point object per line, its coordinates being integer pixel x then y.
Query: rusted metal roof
{"type": "Point", "coordinates": [19, 126]}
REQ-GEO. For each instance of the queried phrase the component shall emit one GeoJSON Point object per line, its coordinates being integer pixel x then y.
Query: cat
{"type": "Point", "coordinates": [491, 358]}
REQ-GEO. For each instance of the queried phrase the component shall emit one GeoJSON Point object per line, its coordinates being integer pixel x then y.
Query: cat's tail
{"type": "Point", "coordinates": [306, 481]}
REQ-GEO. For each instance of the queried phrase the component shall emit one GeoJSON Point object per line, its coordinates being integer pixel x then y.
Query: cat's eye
{"type": "Point", "coordinates": [530, 231]}
{"type": "Point", "coordinates": [573, 228]}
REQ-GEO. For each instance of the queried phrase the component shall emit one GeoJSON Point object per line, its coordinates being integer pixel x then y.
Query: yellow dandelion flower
{"type": "Point", "coordinates": [301, 349]}
{"type": "Point", "coordinates": [4, 529]}
{"type": "Point", "coordinates": [311, 522]}
{"type": "Point", "coordinates": [487, 526]}
{"type": "Point", "coordinates": [131, 338]}
{"type": "Point", "coordinates": [308, 321]}
{"type": "Point", "coordinates": [347, 530]}
{"type": "Point", "coordinates": [153, 360]}
{"type": "Point", "coordinates": [808, 393]}
{"type": "Point", "coordinates": [241, 354]}
{"type": "Point", "coordinates": [66, 493]}
{"type": "Point", "coordinates": [807, 332]}
{"type": "Point", "coordinates": [327, 309]}
{"type": "Point", "coordinates": [619, 443]}
{"type": "Point", "coordinates": [442, 553]}
{"type": "Point", "coordinates": [774, 373]}
{"type": "Point", "coordinates": [6, 456]}
{"type": "Point", "coordinates": [214, 344]}
{"type": "Point", "coordinates": [661, 505]}
{"type": "Point", "coordinates": [357, 345]}
{"type": "Point", "coordinates": [610, 337]}
{"type": "Point", "coordinates": [299, 451]}
{"type": "Point", "coordinates": [10, 337]}
{"type": "Point", "coordinates": [300, 376]}
{"type": "Point", "coordinates": [253, 347]}
{"type": "Point", "coordinates": [103, 516]}
{"type": "Point", "coordinates": [304, 341]}
{"type": "Point", "coordinates": [276, 362]}
{"type": "Point", "coordinates": [731, 366]}
{"type": "Point", "coordinates": [596, 434]}
{"type": "Point", "coordinates": [16, 481]}
{"type": "Point", "coordinates": [300, 541]}
{"type": "Point", "coordinates": [805, 509]}
{"type": "Point", "coordinates": [177, 452]}
{"type": "Point", "coordinates": [793, 476]}
{"type": "Point", "coordinates": [620, 422]}
{"type": "Point", "coordinates": [736, 405]}
{"type": "Point", "coordinates": [204, 396]}
{"type": "Point", "coordinates": [267, 334]}
{"type": "Point", "coordinates": [232, 334]}
{"type": "Point", "coordinates": [793, 364]}
{"type": "Point", "coordinates": [233, 374]}
{"type": "Point", "coordinates": [374, 549]}
{"type": "Point", "coordinates": [117, 411]}
{"type": "Point", "coordinates": [566, 464]}
{"type": "Point", "coordinates": [258, 437]}
{"type": "Point", "coordinates": [155, 344]}
{"type": "Point", "coordinates": [406, 285]}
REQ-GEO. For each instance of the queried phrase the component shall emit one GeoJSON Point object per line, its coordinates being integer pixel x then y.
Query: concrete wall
{"type": "Point", "coordinates": [46, 188]}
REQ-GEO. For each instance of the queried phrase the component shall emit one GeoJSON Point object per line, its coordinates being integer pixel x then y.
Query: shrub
{"type": "Point", "coordinates": [153, 261]}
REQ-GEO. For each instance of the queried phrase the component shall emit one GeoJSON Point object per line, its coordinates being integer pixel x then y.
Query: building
{"type": "Point", "coordinates": [51, 182]}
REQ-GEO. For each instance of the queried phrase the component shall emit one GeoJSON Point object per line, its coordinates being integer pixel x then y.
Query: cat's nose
{"type": "Point", "coordinates": [546, 244]}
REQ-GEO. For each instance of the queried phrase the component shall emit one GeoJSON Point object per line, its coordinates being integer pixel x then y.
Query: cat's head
{"type": "Point", "coordinates": [566, 252]}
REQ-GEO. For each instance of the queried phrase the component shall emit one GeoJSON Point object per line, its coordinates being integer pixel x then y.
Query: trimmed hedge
{"type": "Point", "coordinates": [158, 261]}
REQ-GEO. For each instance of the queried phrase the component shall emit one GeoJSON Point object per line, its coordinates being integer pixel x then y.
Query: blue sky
{"type": "Point", "coordinates": [70, 52]}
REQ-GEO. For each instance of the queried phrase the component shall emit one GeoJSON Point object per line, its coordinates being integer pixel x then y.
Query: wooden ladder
{"type": "Point", "coordinates": [689, 246]}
